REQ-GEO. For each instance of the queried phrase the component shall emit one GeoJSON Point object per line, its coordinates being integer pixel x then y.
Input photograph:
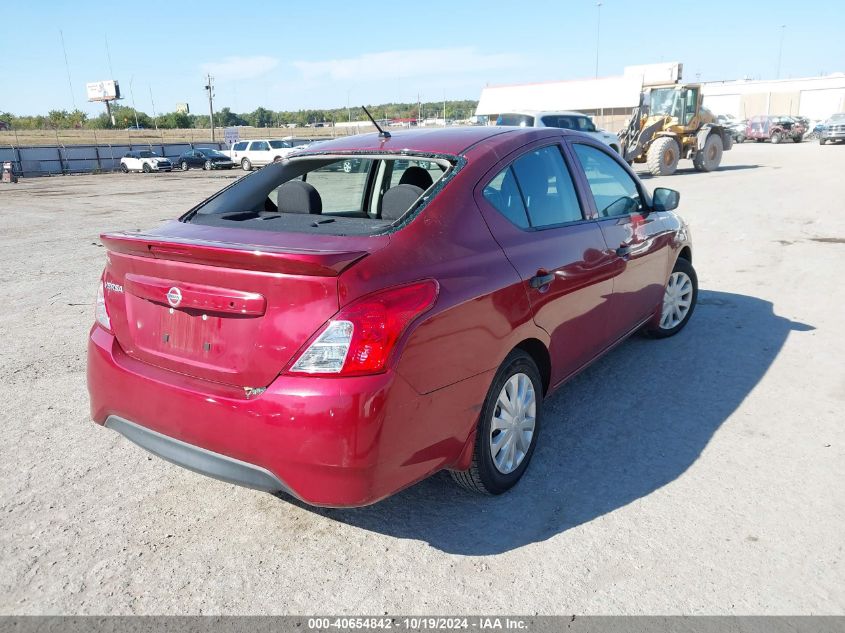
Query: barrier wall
{"type": "Point", "coordinates": [79, 159]}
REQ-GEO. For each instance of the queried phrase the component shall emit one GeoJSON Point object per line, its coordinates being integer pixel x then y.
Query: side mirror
{"type": "Point", "coordinates": [665, 199]}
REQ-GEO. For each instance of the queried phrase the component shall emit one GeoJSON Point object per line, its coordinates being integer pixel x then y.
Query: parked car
{"type": "Point", "coordinates": [340, 339]}
{"type": "Point", "coordinates": [774, 129]}
{"type": "Point", "coordinates": [144, 160]}
{"type": "Point", "coordinates": [566, 120]}
{"type": "Point", "coordinates": [250, 154]}
{"type": "Point", "coordinates": [5, 126]}
{"type": "Point", "coordinates": [735, 127]}
{"type": "Point", "coordinates": [204, 157]}
{"type": "Point", "coordinates": [833, 129]}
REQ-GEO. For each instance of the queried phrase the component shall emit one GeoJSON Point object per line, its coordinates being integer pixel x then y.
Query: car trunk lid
{"type": "Point", "coordinates": [233, 311]}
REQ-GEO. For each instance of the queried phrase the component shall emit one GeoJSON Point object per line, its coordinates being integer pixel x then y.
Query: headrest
{"type": "Point", "coordinates": [417, 176]}
{"type": "Point", "coordinates": [296, 196]}
{"type": "Point", "coordinates": [397, 200]}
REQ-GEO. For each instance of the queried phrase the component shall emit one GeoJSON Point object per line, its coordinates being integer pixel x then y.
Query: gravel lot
{"type": "Point", "coordinates": [701, 474]}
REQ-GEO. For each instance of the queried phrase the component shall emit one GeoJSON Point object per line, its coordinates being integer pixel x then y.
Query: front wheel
{"type": "Point", "coordinates": [662, 157]}
{"type": "Point", "coordinates": [146, 168]}
{"type": "Point", "coordinates": [507, 429]}
{"type": "Point", "coordinates": [207, 166]}
{"type": "Point", "coordinates": [710, 156]}
{"type": "Point", "coordinates": [776, 138]}
{"type": "Point", "coordinates": [740, 139]}
{"type": "Point", "coordinates": [679, 299]}
{"type": "Point", "coordinates": [822, 141]}
{"type": "Point", "coordinates": [184, 165]}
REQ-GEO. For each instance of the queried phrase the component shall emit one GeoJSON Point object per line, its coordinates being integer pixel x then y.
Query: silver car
{"type": "Point", "coordinates": [834, 129]}
{"type": "Point", "coordinates": [565, 119]}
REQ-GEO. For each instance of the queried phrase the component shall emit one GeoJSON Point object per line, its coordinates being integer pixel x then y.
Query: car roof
{"type": "Point", "coordinates": [547, 112]}
{"type": "Point", "coordinates": [454, 140]}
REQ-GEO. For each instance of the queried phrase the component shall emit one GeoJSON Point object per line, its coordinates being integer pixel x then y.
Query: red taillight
{"type": "Point", "coordinates": [377, 321]}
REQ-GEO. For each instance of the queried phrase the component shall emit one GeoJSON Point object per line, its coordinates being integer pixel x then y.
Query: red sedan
{"type": "Point", "coordinates": [340, 336]}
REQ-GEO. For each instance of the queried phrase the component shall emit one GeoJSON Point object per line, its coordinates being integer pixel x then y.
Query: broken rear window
{"type": "Point", "coordinates": [334, 195]}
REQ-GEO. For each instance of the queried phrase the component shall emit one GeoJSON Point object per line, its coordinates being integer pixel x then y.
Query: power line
{"type": "Point", "coordinates": [67, 68]}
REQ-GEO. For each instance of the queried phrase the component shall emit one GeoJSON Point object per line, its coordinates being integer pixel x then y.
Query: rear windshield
{"type": "Point", "coordinates": [569, 122]}
{"type": "Point", "coordinates": [521, 120]}
{"type": "Point", "coordinates": [338, 195]}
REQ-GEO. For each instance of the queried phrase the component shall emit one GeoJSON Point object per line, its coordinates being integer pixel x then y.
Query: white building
{"type": "Point", "coordinates": [610, 99]}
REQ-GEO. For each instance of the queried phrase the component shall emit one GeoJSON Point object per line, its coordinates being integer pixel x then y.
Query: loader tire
{"type": "Point", "coordinates": [710, 156]}
{"type": "Point", "coordinates": [663, 155]}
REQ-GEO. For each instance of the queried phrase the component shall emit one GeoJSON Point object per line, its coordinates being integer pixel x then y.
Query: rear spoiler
{"type": "Point", "coordinates": [262, 258]}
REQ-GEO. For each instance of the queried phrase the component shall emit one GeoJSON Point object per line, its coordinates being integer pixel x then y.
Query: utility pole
{"type": "Point", "coordinates": [780, 48]}
{"type": "Point", "coordinates": [444, 108]}
{"type": "Point", "coordinates": [419, 110]}
{"type": "Point", "coordinates": [598, 33]}
{"type": "Point", "coordinates": [132, 94]}
{"type": "Point", "coordinates": [210, 87]}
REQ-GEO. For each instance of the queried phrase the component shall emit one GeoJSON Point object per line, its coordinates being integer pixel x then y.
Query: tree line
{"type": "Point", "coordinates": [260, 117]}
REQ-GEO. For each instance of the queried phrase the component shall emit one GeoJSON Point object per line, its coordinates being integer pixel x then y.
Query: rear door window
{"type": "Point", "coordinates": [503, 193]}
{"type": "Point", "coordinates": [259, 146]}
{"type": "Point", "coordinates": [548, 192]}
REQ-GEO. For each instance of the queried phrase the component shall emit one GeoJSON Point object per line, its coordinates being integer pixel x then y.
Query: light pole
{"type": "Point", "coordinates": [210, 87]}
{"type": "Point", "coordinates": [598, 33]}
{"type": "Point", "coordinates": [780, 48]}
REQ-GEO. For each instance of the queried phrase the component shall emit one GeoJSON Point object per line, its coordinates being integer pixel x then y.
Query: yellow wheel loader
{"type": "Point", "coordinates": [669, 124]}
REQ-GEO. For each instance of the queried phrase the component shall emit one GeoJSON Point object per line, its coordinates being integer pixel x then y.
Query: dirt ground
{"type": "Point", "coordinates": [700, 474]}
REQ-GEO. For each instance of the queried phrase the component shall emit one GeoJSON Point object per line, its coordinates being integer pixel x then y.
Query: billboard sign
{"type": "Point", "coordinates": [182, 108]}
{"type": "Point", "coordinates": [231, 135]}
{"type": "Point", "coordinates": [103, 90]}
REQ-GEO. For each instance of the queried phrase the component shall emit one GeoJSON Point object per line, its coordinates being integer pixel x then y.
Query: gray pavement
{"type": "Point", "coordinates": [700, 474]}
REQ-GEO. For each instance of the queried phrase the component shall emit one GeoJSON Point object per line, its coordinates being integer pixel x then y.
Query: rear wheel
{"type": "Point", "coordinates": [124, 168]}
{"type": "Point", "coordinates": [246, 165]}
{"type": "Point", "coordinates": [740, 139]}
{"type": "Point", "coordinates": [663, 156]}
{"type": "Point", "coordinates": [710, 156]}
{"type": "Point", "coordinates": [507, 429]}
{"type": "Point", "coordinates": [679, 299]}
{"type": "Point", "coordinates": [796, 139]}
{"type": "Point", "coordinates": [776, 138]}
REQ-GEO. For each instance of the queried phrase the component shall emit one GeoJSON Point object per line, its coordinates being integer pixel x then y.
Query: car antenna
{"type": "Point", "coordinates": [381, 133]}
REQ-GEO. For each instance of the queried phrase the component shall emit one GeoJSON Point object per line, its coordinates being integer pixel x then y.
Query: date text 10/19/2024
{"type": "Point", "coordinates": [417, 623]}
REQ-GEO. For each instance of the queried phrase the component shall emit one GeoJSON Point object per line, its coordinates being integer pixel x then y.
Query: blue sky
{"type": "Point", "coordinates": [316, 54]}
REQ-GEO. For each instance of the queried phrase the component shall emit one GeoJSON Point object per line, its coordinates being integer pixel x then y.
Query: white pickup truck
{"type": "Point", "coordinates": [260, 152]}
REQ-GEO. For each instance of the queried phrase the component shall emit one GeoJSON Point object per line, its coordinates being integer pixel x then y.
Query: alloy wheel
{"type": "Point", "coordinates": [677, 300]}
{"type": "Point", "coordinates": [514, 420]}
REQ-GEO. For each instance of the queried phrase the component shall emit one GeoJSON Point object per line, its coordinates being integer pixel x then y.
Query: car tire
{"type": "Point", "coordinates": [124, 168]}
{"type": "Point", "coordinates": [246, 165]}
{"type": "Point", "coordinates": [184, 165]}
{"type": "Point", "coordinates": [207, 165]}
{"type": "Point", "coordinates": [146, 168]}
{"type": "Point", "coordinates": [347, 166]}
{"type": "Point", "coordinates": [822, 141]}
{"type": "Point", "coordinates": [710, 156]}
{"type": "Point", "coordinates": [679, 300]}
{"type": "Point", "coordinates": [775, 138]}
{"type": "Point", "coordinates": [740, 139]}
{"type": "Point", "coordinates": [496, 462]}
{"type": "Point", "coordinates": [663, 155]}
{"type": "Point", "coordinates": [796, 139]}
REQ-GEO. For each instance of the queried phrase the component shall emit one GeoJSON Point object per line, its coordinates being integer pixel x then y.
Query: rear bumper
{"type": "Point", "coordinates": [197, 459]}
{"type": "Point", "coordinates": [327, 441]}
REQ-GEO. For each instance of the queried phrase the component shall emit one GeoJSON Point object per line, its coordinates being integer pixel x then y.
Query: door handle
{"type": "Point", "coordinates": [624, 250]}
{"type": "Point", "coordinates": [541, 279]}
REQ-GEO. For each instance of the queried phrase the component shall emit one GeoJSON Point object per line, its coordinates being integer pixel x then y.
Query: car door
{"type": "Point", "coordinates": [259, 152]}
{"type": "Point", "coordinates": [534, 212]}
{"type": "Point", "coordinates": [132, 161]}
{"type": "Point", "coordinates": [636, 238]}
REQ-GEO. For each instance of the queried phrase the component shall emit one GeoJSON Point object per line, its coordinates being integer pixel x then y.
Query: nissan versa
{"type": "Point", "coordinates": [339, 336]}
